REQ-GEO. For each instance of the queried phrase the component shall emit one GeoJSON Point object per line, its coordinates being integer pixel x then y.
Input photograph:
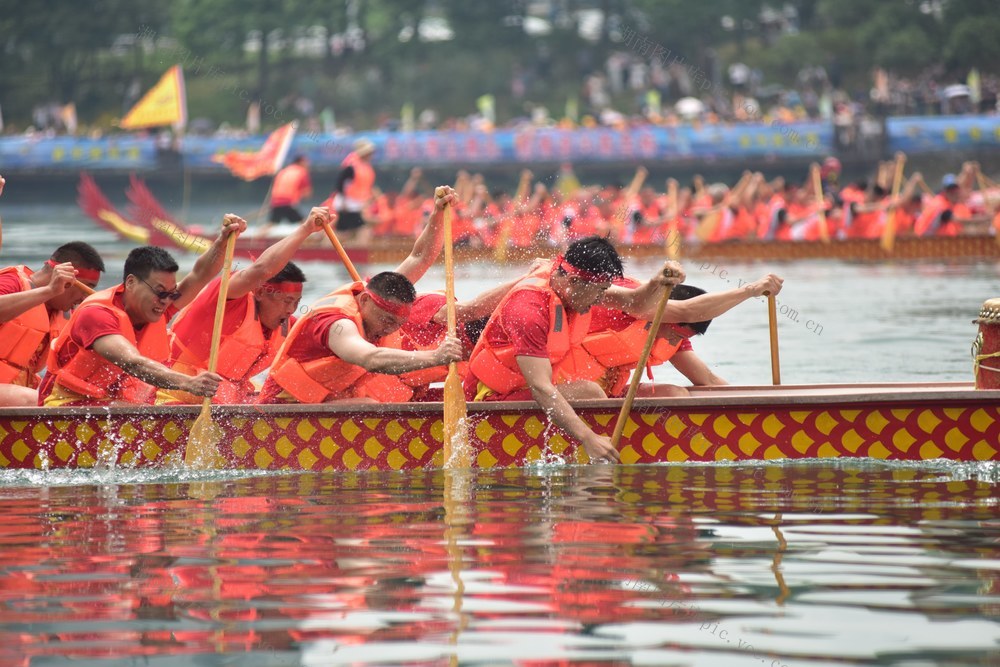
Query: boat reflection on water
{"type": "Point", "coordinates": [697, 564]}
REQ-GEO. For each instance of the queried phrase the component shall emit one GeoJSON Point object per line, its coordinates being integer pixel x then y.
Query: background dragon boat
{"type": "Point", "coordinates": [149, 223]}
{"type": "Point", "coordinates": [894, 421]}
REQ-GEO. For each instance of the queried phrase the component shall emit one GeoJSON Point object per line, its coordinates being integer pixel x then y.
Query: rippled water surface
{"type": "Point", "coordinates": [812, 563]}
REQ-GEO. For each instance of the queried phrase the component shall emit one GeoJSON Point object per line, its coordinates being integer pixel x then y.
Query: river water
{"type": "Point", "coordinates": [809, 563]}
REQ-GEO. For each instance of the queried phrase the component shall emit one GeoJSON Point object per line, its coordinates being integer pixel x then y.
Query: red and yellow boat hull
{"type": "Point", "coordinates": [892, 422]}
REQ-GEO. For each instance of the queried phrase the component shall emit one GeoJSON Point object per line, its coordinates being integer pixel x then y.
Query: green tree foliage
{"type": "Point", "coordinates": [63, 50]}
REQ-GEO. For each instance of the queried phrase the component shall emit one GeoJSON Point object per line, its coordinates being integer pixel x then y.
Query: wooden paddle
{"type": "Point", "coordinates": [507, 224]}
{"type": "Point", "coordinates": [202, 450]}
{"type": "Point", "coordinates": [2, 183]}
{"type": "Point", "coordinates": [637, 374]}
{"type": "Point", "coordinates": [772, 319]}
{"type": "Point", "coordinates": [340, 251]}
{"type": "Point", "coordinates": [673, 237]}
{"type": "Point", "coordinates": [455, 448]}
{"type": "Point", "coordinates": [888, 241]}
{"type": "Point", "coordinates": [817, 178]}
{"type": "Point", "coordinates": [457, 501]}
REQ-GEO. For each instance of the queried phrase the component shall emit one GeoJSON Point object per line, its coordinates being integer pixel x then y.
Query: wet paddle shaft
{"type": "Point", "coordinates": [637, 374]}
{"type": "Point", "coordinates": [203, 443]}
{"type": "Point", "coordinates": [456, 437]}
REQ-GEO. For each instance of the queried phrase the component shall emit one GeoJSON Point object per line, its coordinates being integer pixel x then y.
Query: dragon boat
{"type": "Point", "coordinates": [147, 222]}
{"type": "Point", "coordinates": [891, 421]}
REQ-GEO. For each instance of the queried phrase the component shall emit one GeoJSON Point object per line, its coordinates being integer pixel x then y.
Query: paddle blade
{"type": "Point", "coordinates": [456, 452]}
{"type": "Point", "coordinates": [888, 241]}
{"type": "Point", "coordinates": [202, 450]}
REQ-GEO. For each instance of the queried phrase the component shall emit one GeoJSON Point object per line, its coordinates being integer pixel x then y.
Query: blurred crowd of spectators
{"type": "Point", "coordinates": [629, 90]}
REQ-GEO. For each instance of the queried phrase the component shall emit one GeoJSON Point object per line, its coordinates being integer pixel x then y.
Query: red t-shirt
{"type": "Point", "coordinates": [523, 323]}
{"type": "Point", "coordinates": [309, 345]}
{"type": "Point", "coordinates": [423, 331]}
{"type": "Point", "coordinates": [10, 283]}
{"type": "Point", "coordinates": [91, 323]}
{"type": "Point", "coordinates": [195, 329]}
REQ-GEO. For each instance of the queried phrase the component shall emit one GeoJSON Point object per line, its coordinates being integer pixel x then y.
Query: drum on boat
{"type": "Point", "coordinates": [986, 348]}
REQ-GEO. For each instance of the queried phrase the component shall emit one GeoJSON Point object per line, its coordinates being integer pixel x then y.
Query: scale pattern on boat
{"type": "Point", "coordinates": [341, 441]}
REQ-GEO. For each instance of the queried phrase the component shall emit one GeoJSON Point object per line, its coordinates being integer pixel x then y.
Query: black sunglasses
{"type": "Point", "coordinates": [162, 295]}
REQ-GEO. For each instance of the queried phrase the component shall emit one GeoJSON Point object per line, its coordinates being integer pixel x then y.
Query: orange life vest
{"type": "Point", "coordinates": [359, 188]}
{"type": "Point", "coordinates": [607, 356]}
{"type": "Point", "coordinates": [925, 224]}
{"type": "Point", "coordinates": [89, 374]}
{"type": "Point", "coordinates": [497, 367]}
{"type": "Point", "coordinates": [23, 340]}
{"type": "Point", "coordinates": [242, 354]}
{"type": "Point", "coordinates": [290, 185]}
{"type": "Point", "coordinates": [330, 377]}
{"type": "Point", "coordinates": [423, 378]}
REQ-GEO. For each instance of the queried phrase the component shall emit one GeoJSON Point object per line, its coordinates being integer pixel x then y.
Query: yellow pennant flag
{"type": "Point", "coordinates": [164, 104]}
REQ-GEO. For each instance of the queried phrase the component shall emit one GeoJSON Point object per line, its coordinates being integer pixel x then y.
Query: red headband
{"type": "Point", "coordinates": [401, 310]}
{"type": "Point", "coordinates": [82, 274]}
{"type": "Point", "coordinates": [582, 274]}
{"type": "Point", "coordinates": [286, 286]}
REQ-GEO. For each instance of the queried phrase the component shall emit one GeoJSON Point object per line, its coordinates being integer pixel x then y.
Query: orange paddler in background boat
{"type": "Point", "coordinates": [291, 185]}
{"type": "Point", "coordinates": [354, 191]}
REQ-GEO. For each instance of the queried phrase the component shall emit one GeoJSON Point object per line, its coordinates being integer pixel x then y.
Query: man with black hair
{"type": "Point", "coordinates": [34, 307]}
{"type": "Point", "coordinates": [342, 351]}
{"type": "Point", "coordinates": [115, 347]}
{"type": "Point", "coordinates": [529, 346]}
{"type": "Point", "coordinates": [259, 308]}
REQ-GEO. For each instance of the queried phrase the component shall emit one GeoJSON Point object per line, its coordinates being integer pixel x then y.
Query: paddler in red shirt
{"type": "Point", "coordinates": [259, 306]}
{"type": "Point", "coordinates": [526, 349]}
{"type": "Point", "coordinates": [34, 308]}
{"type": "Point", "coordinates": [341, 350]}
{"type": "Point", "coordinates": [610, 351]}
{"type": "Point", "coordinates": [115, 348]}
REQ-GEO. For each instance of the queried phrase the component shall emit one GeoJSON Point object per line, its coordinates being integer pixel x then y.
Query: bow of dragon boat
{"type": "Point", "coordinates": [900, 421]}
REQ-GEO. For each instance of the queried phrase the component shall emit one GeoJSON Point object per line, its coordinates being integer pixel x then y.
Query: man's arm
{"type": "Point", "coordinates": [709, 306]}
{"type": "Point", "coordinates": [12, 305]}
{"type": "Point", "coordinates": [345, 341]}
{"type": "Point", "coordinates": [272, 260]}
{"type": "Point", "coordinates": [118, 350]}
{"type": "Point", "coordinates": [428, 245]}
{"type": "Point", "coordinates": [481, 306]}
{"type": "Point", "coordinates": [694, 369]}
{"type": "Point", "coordinates": [646, 297]}
{"type": "Point", "coordinates": [537, 373]}
{"type": "Point", "coordinates": [210, 263]}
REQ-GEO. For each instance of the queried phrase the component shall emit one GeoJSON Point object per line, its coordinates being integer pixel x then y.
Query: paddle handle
{"type": "Point", "coordinates": [637, 374]}
{"type": "Point", "coordinates": [888, 240]}
{"type": "Point", "coordinates": [220, 306]}
{"type": "Point", "coordinates": [673, 238]}
{"type": "Point", "coordinates": [772, 321]}
{"type": "Point", "coordinates": [86, 289]}
{"type": "Point", "coordinates": [824, 232]}
{"type": "Point", "coordinates": [449, 272]}
{"type": "Point", "coordinates": [340, 251]}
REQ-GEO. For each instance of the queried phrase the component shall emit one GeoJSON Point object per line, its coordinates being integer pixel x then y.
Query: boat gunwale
{"type": "Point", "coordinates": [782, 396]}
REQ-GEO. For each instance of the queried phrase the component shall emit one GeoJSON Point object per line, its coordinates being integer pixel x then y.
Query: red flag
{"type": "Point", "coordinates": [265, 162]}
